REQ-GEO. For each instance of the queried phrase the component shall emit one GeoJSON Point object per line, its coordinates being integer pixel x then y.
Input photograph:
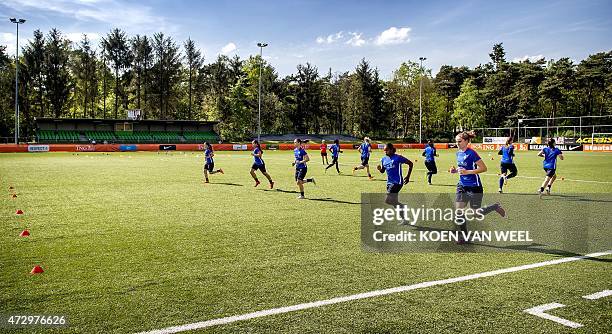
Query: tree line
{"type": "Point", "coordinates": [169, 80]}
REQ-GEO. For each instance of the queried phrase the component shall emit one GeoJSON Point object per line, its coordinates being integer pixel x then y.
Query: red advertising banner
{"type": "Point", "coordinates": [597, 147]}
{"type": "Point", "coordinates": [497, 147]}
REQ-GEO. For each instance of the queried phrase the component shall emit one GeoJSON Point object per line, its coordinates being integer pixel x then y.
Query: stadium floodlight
{"type": "Point", "coordinates": [420, 101]}
{"type": "Point", "coordinates": [261, 46]}
{"type": "Point", "coordinates": [17, 23]}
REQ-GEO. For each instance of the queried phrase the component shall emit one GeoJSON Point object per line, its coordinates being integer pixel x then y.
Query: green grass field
{"type": "Point", "coordinates": [134, 242]}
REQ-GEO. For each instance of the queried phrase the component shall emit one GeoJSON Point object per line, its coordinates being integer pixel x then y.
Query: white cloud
{"type": "Point", "coordinates": [393, 35]}
{"type": "Point", "coordinates": [526, 57]}
{"type": "Point", "coordinates": [8, 39]}
{"type": "Point", "coordinates": [76, 37]}
{"type": "Point", "coordinates": [230, 47]}
{"type": "Point", "coordinates": [356, 39]}
{"type": "Point", "coordinates": [330, 38]}
{"type": "Point", "coordinates": [135, 18]}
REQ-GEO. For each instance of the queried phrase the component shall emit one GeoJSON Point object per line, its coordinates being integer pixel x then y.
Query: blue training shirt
{"type": "Point", "coordinates": [550, 157]}
{"type": "Point", "coordinates": [467, 160]}
{"type": "Point", "coordinates": [430, 154]}
{"type": "Point", "coordinates": [507, 154]}
{"type": "Point", "coordinates": [393, 167]}
{"type": "Point", "coordinates": [208, 154]}
{"type": "Point", "coordinates": [365, 150]}
{"type": "Point", "coordinates": [256, 159]}
{"type": "Point", "coordinates": [299, 154]}
{"type": "Point", "coordinates": [335, 150]}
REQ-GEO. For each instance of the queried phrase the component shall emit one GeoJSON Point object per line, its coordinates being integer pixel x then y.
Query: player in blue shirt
{"type": "Point", "coordinates": [335, 152]}
{"type": "Point", "coordinates": [469, 188]}
{"type": "Point", "coordinates": [365, 149]}
{"type": "Point", "coordinates": [430, 155]}
{"type": "Point", "coordinates": [550, 155]}
{"type": "Point", "coordinates": [259, 164]}
{"type": "Point", "coordinates": [391, 163]}
{"type": "Point", "coordinates": [209, 165]}
{"type": "Point", "coordinates": [507, 164]}
{"type": "Point", "coordinates": [301, 158]}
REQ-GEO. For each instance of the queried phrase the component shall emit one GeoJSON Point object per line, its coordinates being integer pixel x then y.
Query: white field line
{"type": "Point", "coordinates": [539, 310]}
{"type": "Point", "coordinates": [600, 294]}
{"type": "Point", "coordinates": [365, 295]}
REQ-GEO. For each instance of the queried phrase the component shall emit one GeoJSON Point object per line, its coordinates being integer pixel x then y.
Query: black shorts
{"type": "Point", "coordinates": [261, 167]}
{"type": "Point", "coordinates": [466, 194]}
{"type": "Point", "coordinates": [550, 172]}
{"type": "Point", "coordinates": [431, 166]}
{"type": "Point", "coordinates": [393, 188]}
{"type": "Point", "coordinates": [365, 161]}
{"type": "Point", "coordinates": [209, 166]}
{"type": "Point", "coordinates": [508, 166]}
{"type": "Point", "coordinates": [323, 154]}
{"type": "Point", "coordinates": [300, 173]}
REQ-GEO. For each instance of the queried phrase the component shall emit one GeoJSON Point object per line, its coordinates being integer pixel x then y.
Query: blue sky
{"type": "Point", "coordinates": [337, 34]}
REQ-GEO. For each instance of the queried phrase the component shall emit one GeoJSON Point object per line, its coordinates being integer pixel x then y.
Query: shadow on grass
{"type": "Point", "coordinates": [228, 184]}
{"type": "Point", "coordinates": [326, 199]}
{"type": "Point", "coordinates": [569, 198]}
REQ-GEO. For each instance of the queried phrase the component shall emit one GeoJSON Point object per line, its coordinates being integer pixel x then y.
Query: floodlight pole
{"type": "Point", "coordinates": [17, 23]}
{"type": "Point", "coordinates": [421, 102]}
{"type": "Point", "coordinates": [261, 46]}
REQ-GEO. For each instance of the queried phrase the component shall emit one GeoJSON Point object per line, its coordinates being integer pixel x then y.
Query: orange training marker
{"type": "Point", "coordinates": [24, 233]}
{"type": "Point", "coordinates": [37, 270]}
{"type": "Point", "coordinates": [14, 196]}
{"type": "Point", "coordinates": [19, 212]}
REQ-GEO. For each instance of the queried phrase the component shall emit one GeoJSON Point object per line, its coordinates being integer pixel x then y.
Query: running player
{"type": "Point", "coordinates": [365, 149]}
{"type": "Point", "coordinates": [301, 158]}
{"type": "Point", "coordinates": [258, 163]}
{"type": "Point", "coordinates": [469, 188]}
{"type": "Point", "coordinates": [209, 166]}
{"type": "Point", "coordinates": [430, 155]}
{"type": "Point", "coordinates": [391, 163]}
{"type": "Point", "coordinates": [507, 164]}
{"type": "Point", "coordinates": [335, 151]}
{"type": "Point", "coordinates": [550, 155]}
{"type": "Point", "coordinates": [324, 152]}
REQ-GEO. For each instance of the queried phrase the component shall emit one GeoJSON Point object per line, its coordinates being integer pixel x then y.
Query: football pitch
{"type": "Point", "coordinates": [134, 242]}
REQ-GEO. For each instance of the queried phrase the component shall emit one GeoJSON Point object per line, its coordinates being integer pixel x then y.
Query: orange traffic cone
{"type": "Point", "coordinates": [37, 270]}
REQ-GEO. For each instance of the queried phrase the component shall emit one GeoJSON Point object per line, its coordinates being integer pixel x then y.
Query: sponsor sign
{"type": "Point", "coordinates": [133, 114]}
{"type": "Point", "coordinates": [167, 147]}
{"type": "Point", "coordinates": [38, 148]}
{"type": "Point", "coordinates": [495, 147]}
{"type": "Point", "coordinates": [238, 147]}
{"type": "Point", "coordinates": [85, 148]}
{"type": "Point", "coordinates": [381, 146]}
{"type": "Point", "coordinates": [562, 147]}
{"type": "Point", "coordinates": [127, 148]}
{"type": "Point", "coordinates": [598, 147]}
{"type": "Point", "coordinates": [494, 140]}
{"type": "Point", "coordinates": [596, 140]}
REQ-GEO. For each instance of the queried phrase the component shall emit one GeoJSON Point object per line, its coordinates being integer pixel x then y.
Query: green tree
{"type": "Point", "coordinates": [194, 61]}
{"type": "Point", "coordinates": [58, 82]}
{"type": "Point", "coordinates": [34, 59]}
{"type": "Point", "coordinates": [120, 56]}
{"type": "Point", "coordinates": [85, 77]}
{"type": "Point", "coordinates": [469, 110]}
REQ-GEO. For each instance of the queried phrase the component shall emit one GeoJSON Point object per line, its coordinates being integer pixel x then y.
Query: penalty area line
{"type": "Point", "coordinates": [365, 295]}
